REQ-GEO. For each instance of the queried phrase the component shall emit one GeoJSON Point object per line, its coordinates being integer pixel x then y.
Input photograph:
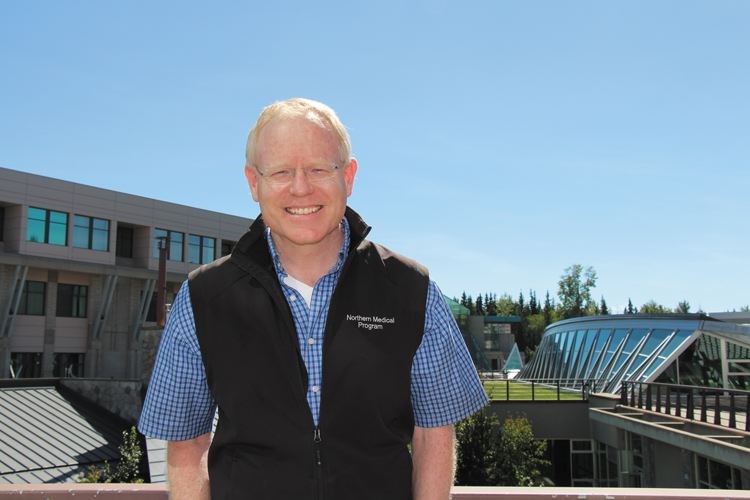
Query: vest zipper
{"type": "Point", "coordinates": [318, 462]}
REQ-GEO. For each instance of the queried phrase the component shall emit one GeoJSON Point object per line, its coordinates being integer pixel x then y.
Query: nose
{"type": "Point", "coordinates": [300, 184]}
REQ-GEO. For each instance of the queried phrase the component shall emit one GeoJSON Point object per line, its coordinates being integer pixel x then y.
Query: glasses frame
{"type": "Point", "coordinates": [311, 178]}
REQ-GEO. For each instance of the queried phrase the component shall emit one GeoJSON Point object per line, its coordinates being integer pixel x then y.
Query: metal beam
{"type": "Point", "coordinates": [140, 318]}
{"type": "Point", "coordinates": [11, 308]}
{"type": "Point", "coordinates": [109, 291]}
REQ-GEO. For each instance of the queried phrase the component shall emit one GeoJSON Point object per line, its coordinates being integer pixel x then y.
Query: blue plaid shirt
{"type": "Point", "coordinates": [179, 406]}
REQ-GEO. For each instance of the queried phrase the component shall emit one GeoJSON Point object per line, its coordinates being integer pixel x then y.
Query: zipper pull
{"type": "Point", "coordinates": [316, 435]}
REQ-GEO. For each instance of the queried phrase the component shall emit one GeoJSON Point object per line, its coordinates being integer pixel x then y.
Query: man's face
{"type": "Point", "coordinates": [301, 213]}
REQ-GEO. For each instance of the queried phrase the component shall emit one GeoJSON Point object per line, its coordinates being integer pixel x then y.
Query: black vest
{"type": "Point", "coordinates": [266, 445]}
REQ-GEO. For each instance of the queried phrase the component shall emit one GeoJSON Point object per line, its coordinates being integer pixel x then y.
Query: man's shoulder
{"type": "Point", "coordinates": [392, 261]}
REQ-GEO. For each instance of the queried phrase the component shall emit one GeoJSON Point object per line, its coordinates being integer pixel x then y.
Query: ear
{"type": "Point", "coordinates": [252, 180]}
{"type": "Point", "coordinates": [350, 170]}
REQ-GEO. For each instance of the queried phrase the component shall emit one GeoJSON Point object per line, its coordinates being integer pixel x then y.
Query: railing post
{"type": "Point", "coordinates": [704, 414]}
{"type": "Point", "coordinates": [624, 393]}
{"type": "Point", "coordinates": [658, 399]}
{"type": "Point", "coordinates": [678, 404]}
{"type": "Point", "coordinates": [689, 406]}
{"type": "Point", "coordinates": [747, 413]}
{"type": "Point", "coordinates": [648, 396]}
{"type": "Point", "coordinates": [668, 402]}
{"type": "Point", "coordinates": [717, 409]}
{"type": "Point", "coordinates": [732, 416]}
{"type": "Point", "coordinates": [632, 394]}
{"type": "Point", "coordinates": [640, 395]}
{"type": "Point", "coordinates": [558, 390]}
{"type": "Point", "coordinates": [507, 389]}
{"type": "Point", "coordinates": [532, 391]}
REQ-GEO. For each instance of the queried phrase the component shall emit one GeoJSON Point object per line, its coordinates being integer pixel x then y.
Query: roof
{"type": "Point", "coordinates": [49, 434]}
{"type": "Point", "coordinates": [502, 319]}
{"type": "Point", "coordinates": [604, 351]}
{"type": "Point", "coordinates": [514, 361]}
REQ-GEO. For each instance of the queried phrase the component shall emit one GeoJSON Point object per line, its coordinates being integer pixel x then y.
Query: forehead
{"type": "Point", "coordinates": [296, 138]}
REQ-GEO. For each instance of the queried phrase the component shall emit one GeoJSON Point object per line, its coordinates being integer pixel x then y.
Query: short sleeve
{"type": "Point", "coordinates": [178, 403]}
{"type": "Point", "coordinates": [445, 385]}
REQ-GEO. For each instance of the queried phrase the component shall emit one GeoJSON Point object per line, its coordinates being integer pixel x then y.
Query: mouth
{"type": "Point", "coordinates": [303, 210]}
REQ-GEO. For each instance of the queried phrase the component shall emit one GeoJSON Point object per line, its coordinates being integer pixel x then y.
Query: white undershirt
{"type": "Point", "coordinates": [303, 288]}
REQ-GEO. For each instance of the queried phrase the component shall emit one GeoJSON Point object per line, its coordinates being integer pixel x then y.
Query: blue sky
{"type": "Point", "coordinates": [498, 142]}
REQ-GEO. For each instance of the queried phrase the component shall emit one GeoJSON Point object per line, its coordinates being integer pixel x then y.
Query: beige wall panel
{"type": "Point", "coordinates": [28, 334]}
{"type": "Point", "coordinates": [72, 278]}
{"type": "Point", "coordinates": [12, 191]}
{"type": "Point", "coordinates": [95, 256]}
{"type": "Point", "coordinates": [45, 250]}
{"type": "Point", "coordinates": [15, 228]}
{"type": "Point", "coordinates": [49, 197]}
{"type": "Point", "coordinates": [71, 335]}
{"type": "Point", "coordinates": [37, 275]}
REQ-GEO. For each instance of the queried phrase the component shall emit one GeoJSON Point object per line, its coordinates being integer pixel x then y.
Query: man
{"type": "Point", "coordinates": [325, 354]}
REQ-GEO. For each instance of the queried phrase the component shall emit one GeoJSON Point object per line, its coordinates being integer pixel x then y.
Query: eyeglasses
{"type": "Point", "coordinates": [284, 176]}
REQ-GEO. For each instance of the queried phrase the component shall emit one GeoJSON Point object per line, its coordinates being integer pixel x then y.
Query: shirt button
{"type": "Point", "coordinates": [315, 388]}
{"type": "Point", "coordinates": [311, 341]}
{"type": "Point", "coordinates": [293, 298]}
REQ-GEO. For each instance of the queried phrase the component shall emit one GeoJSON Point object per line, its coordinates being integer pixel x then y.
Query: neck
{"type": "Point", "coordinates": [309, 263]}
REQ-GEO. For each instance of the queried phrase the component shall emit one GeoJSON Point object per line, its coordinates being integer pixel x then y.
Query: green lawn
{"type": "Point", "coordinates": [521, 391]}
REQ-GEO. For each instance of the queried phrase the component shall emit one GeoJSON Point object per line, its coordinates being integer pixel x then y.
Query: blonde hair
{"type": "Point", "coordinates": [300, 107]}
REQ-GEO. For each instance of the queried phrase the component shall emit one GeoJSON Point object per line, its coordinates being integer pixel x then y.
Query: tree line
{"type": "Point", "coordinates": [574, 299]}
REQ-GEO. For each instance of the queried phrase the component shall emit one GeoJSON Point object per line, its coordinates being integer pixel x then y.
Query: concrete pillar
{"type": "Point", "coordinates": [50, 323]}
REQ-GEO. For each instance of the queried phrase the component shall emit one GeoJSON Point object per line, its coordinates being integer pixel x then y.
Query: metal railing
{"type": "Point", "coordinates": [537, 390]}
{"type": "Point", "coordinates": [712, 404]}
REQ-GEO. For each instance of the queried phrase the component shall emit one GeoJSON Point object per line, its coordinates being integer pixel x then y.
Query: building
{"type": "Point", "coordinates": [664, 400]}
{"type": "Point", "coordinates": [78, 273]}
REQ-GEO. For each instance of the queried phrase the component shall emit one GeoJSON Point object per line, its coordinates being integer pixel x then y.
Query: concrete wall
{"type": "Point", "coordinates": [121, 397]}
{"type": "Point", "coordinates": [549, 419]}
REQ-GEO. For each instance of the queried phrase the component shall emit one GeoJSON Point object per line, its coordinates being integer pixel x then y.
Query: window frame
{"type": "Point", "coordinates": [23, 304]}
{"type": "Point", "coordinates": [91, 229]}
{"type": "Point", "coordinates": [48, 224]}
{"type": "Point", "coordinates": [78, 306]}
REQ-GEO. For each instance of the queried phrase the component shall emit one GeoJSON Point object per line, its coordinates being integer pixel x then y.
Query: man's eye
{"type": "Point", "coordinates": [280, 174]}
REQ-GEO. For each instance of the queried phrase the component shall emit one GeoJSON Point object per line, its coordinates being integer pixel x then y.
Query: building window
{"type": "Point", "coordinates": [71, 300]}
{"type": "Point", "coordinates": [91, 233]}
{"type": "Point", "coordinates": [173, 241]}
{"type": "Point", "coordinates": [68, 365]}
{"type": "Point", "coordinates": [716, 475]}
{"type": "Point", "coordinates": [581, 462]}
{"type": "Point", "coordinates": [25, 364]}
{"type": "Point", "coordinates": [124, 245]}
{"type": "Point", "coordinates": [32, 298]}
{"type": "Point", "coordinates": [47, 226]}
{"type": "Point", "coordinates": [201, 249]}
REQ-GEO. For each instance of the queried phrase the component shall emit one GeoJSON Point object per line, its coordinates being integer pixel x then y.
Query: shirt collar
{"type": "Point", "coordinates": [344, 226]}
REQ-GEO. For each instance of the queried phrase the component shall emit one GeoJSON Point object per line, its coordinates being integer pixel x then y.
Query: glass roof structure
{"type": "Point", "coordinates": [604, 351]}
{"type": "Point", "coordinates": [514, 361]}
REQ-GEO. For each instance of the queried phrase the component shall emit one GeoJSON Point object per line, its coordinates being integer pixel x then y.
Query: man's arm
{"type": "Point", "coordinates": [434, 457]}
{"type": "Point", "coordinates": [187, 469]}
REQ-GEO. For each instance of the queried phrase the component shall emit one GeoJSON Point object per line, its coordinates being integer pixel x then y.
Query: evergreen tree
{"type": "Point", "coordinates": [533, 304]}
{"type": "Point", "coordinates": [490, 305]}
{"type": "Point", "coordinates": [547, 309]}
{"type": "Point", "coordinates": [603, 307]}
{"type": "Point", "coordinates": [464, 300]}
{"type": "Point", "coordinates": [479, 305]}
{"type": "Point", "coordinates": [520, 305]}
{"type": "Point", "coordinates": [630, 309]}
{"type": "Point", "coordinates": [470, 305]}
{"type": "Point", "coordinates": [651, 307]}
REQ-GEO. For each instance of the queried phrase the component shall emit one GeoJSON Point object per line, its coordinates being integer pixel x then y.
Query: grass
{"type": "Point", "coordinates": [521, 391]}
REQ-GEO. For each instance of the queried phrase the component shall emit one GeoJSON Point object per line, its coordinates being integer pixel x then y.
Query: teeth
{"type": "Point", "coordinates": [304, 210]}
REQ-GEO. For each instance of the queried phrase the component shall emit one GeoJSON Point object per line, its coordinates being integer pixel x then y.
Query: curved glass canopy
{"type": "Point", "coordinates": [603, 351]}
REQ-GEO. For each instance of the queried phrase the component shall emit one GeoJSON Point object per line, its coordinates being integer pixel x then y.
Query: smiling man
{"type": "Point", "coordinates": [325, 354]}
